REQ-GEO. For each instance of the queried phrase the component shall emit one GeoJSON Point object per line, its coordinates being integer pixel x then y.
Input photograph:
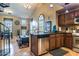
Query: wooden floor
{"type": "Point", "coordinates": [15, 51]}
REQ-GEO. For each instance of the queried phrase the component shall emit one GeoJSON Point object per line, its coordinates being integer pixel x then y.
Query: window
{"type": "Point", "coordinates": [41, 23]}
{"type": "Point", "coordinates": [23, 22]}
{"type": "Point", "coordinates": [23, 26]}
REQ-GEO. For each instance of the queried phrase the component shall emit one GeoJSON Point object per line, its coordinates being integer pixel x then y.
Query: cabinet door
{"type": "Point", "coordinates": [52, 42]}
{"type": "Point", "coordinates": [62, 40]}
{"type": "Point", "coordinates": [61, 19]}
{"type": "Point", "coordinates": [69, 41]}
{"type": "Point", "coordinates": [68, 19]}
{"type": "Point", "coordinates": [76, 13]}
{"type": "Point", "coordinates": [58, 41]}
{"type": "Point", "coordinates": [34, 44]}
{"type": "Point", "coordinates": [72, 15]}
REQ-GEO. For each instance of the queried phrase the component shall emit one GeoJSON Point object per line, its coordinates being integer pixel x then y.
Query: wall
{"type": "Point", "coordinates": [15, 27]}
{"type": "Point", "coordinates": [48, 12]}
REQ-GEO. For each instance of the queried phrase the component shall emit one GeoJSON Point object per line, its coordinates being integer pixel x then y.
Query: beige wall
{"type": "Point", "coordinates": [15, 27]}
{"type": "Point", "coordinates": [41, 9]}
{"type": "Point", "coordinates": [48, 12]}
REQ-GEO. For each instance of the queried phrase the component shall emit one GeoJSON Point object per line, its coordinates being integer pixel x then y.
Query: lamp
{"type": "Point", "coordinates": [67, 11]}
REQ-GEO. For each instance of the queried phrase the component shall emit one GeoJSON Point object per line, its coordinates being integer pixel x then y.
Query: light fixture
{"type": "Point", "coordinates": [66, 11]}
{"type": "Point", "coordinates": [9, 11]}
{"type": "Point", "coordinates": [51, 5]}
{"type": "Point", "coordinates": [27, 5]}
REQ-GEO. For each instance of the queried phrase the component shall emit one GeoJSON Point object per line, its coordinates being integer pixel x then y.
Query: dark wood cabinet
{"type": "Point", "coordinates": [58, 40]}
{"type": "Point", "coordinates": [65, 19]}
{"type": "Point", "coordinates": [62, 40]}
{"type": "Point", "coordinates": [52, 42]}
{"type": "Point", "coordinates": [68, 19]}
{"type": "Point", "coordinates": [72, 15]}
{"type": "Point", "coordinates": [61, 20]}
{"type": "Point", "coordinates": [69, 40]}
{"type": "Point", "coordinates": [34, 45]}
{"type": "Point", "coordinates": [76, 13]}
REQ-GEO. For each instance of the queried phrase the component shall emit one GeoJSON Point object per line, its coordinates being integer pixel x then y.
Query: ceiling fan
{"type": "Point", "coordinates": [3, 5]}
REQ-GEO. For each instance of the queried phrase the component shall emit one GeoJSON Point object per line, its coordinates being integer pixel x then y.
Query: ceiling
{"type": "Point", "coordinates": [69, 5]}
{"type": "Point", "coordinates": [19, 9]}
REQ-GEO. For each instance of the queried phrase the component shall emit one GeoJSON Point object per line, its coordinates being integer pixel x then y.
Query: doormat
{"type": "Point", "coordinates": [58, 52]}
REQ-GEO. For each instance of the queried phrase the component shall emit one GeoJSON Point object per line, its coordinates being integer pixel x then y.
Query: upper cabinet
{"type": "Point", "coordinates": [67, 18]}
{"type": "Point", "coordinates": [61, 20]}
{"type": "Point", "coordinates": [76, 13]}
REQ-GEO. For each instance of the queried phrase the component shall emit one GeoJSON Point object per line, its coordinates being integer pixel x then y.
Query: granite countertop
{"type": "Point", "coordinates": [51, 33]}
{"type": "Point", "coordinates": [39, 33]}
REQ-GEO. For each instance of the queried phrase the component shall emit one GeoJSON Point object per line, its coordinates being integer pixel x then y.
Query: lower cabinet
{"type": "Point", "coordinates": [52, 42]}
{"type": "Point", "coordinates": [60, 40]}
{"type": "Point", "coordinates": [56, 41]}
{"type": "Point", "coordinates": [34, 45]}
{"type": "Point", "coordinates": [68, 41]}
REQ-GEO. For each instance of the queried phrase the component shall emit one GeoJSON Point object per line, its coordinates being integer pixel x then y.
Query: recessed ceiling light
{"type": "Point", "coordinates": [51, 5]}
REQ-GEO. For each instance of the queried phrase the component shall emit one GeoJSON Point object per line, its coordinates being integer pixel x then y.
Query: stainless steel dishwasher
{"type": "Point", "coordinates": [43, 45]}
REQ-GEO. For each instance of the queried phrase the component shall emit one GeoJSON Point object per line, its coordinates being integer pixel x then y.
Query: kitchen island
{"type": "Point", "coordinates": [42, 43]}
{"type": "Point", "coordinates": [39, 43]}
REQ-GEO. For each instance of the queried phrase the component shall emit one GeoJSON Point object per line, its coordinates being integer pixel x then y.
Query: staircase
{"type": "Point", "coordinates": [4, 40]}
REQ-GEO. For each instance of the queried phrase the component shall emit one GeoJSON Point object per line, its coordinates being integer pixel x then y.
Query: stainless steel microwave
{"type": "Point", "coordinates": [76, 20]}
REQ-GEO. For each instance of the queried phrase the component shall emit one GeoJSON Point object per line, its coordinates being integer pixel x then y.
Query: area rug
{"type": "Point", "coordinates": [58, 52]}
